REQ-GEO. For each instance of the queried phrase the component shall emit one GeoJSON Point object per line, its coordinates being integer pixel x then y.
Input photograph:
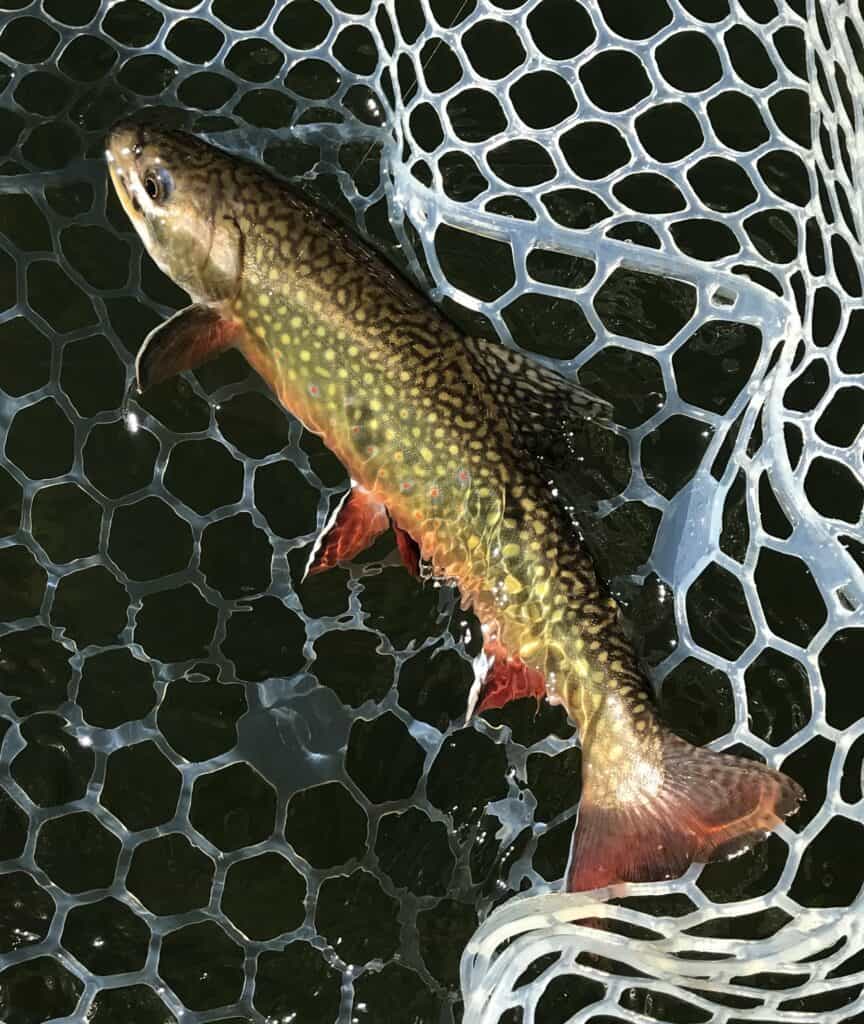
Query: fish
{"type": "Point", "coordinates": [450, 439]}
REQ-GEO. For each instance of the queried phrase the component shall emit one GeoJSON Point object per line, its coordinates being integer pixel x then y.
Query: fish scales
{"type": "Point", "coordinates": [376, 369]}
{"type": "Point", "coordinates": [447, 434]}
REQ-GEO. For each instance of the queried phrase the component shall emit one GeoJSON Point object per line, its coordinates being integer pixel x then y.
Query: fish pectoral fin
{"type": "Point", "coordinates": [187, 340]}
{"type": "Point", "coordinates": [645, 822]}
{"type": "Point", "coordinates": [356, 522]}
{"type": "Point", "coordinates": [537, 401]}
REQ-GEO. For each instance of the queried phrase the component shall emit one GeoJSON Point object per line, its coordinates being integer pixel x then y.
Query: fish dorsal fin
{"type": "Point", "coordinates": [538, 402]}
{"type": "Point", "coordinates": [185, 341]}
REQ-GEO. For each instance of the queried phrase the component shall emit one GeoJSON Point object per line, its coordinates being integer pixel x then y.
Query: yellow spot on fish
{"type": "Point", "coordinates": [296, 321]}
{"type": "Point", "coordinates": [511, 551]}
{"type": "Point", "coordinates": [305, 355]}
{"type": "Point", "coordinates": [286, 339]}
{"type": "Point", "coordinates": [512, 585]}
{"type": "Point", "coordinates": [641, 725]}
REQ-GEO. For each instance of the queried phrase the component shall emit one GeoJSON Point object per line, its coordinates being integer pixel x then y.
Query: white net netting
{"type": "Point", "coordinates": [230, 796]}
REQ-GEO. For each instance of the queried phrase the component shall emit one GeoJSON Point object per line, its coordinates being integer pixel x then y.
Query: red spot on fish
{"type": "Point", "coordinates": [314, 390]}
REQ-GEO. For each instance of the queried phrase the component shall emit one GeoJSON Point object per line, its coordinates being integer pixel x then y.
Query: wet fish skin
{"type": "Point", "coordinates": [448, 433]}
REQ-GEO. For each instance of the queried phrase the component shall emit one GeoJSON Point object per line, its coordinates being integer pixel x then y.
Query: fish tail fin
{"type": "Point", "coordinates": [650, 820]}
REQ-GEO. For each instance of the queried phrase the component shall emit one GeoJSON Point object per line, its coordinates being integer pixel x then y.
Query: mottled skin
{"type": "Point", "coordinates": [430, 423]}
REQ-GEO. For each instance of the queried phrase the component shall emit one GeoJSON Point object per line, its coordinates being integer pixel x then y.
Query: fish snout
{"type": "Point", "coordinates": [125, 140]}
{"type": "Point", "coordinates": [123, 147]}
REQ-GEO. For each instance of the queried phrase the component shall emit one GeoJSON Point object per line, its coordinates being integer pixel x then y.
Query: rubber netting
{"type": "Point", "coordinates": [231, 795]}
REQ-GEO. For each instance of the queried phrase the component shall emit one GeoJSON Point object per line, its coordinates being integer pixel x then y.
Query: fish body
{"type": "Point", "coordinates": [447, 437]}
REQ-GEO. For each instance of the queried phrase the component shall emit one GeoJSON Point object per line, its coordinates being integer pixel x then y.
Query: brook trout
{"type": "Point", "coordinates": [445, 437]}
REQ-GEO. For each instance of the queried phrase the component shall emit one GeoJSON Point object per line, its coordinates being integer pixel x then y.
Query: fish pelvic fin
{"type": "Point", "coordinates": [355, 524]}
{"type": "Point", "coordinates": [695, 805]}
{"type": "Point", "coordinates": [185, 341]}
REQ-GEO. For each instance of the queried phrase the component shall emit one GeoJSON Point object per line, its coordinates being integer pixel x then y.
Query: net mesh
{"type": "Point", "coordinates": [229, 795]}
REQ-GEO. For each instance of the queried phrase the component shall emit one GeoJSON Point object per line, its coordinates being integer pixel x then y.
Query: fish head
{"type": "Point", "coordinates": [178, 192]}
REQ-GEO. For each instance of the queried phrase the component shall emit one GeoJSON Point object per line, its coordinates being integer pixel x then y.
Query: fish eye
{"type": "Point", "coordinates": [158, 184]}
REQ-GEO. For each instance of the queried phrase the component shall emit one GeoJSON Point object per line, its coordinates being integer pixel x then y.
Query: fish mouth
{"type": "Point", "coordinates": [123, 147]}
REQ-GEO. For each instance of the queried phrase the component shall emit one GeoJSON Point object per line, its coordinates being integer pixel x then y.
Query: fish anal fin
{"type": "Point", "coordinates": [185, 341]}
{"type": "Point", "coordinates": [707, 807]}
{"type": "Point", "coordinates": [355, 524]}
{"type": "Point", "coordinates": [507, 678]}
